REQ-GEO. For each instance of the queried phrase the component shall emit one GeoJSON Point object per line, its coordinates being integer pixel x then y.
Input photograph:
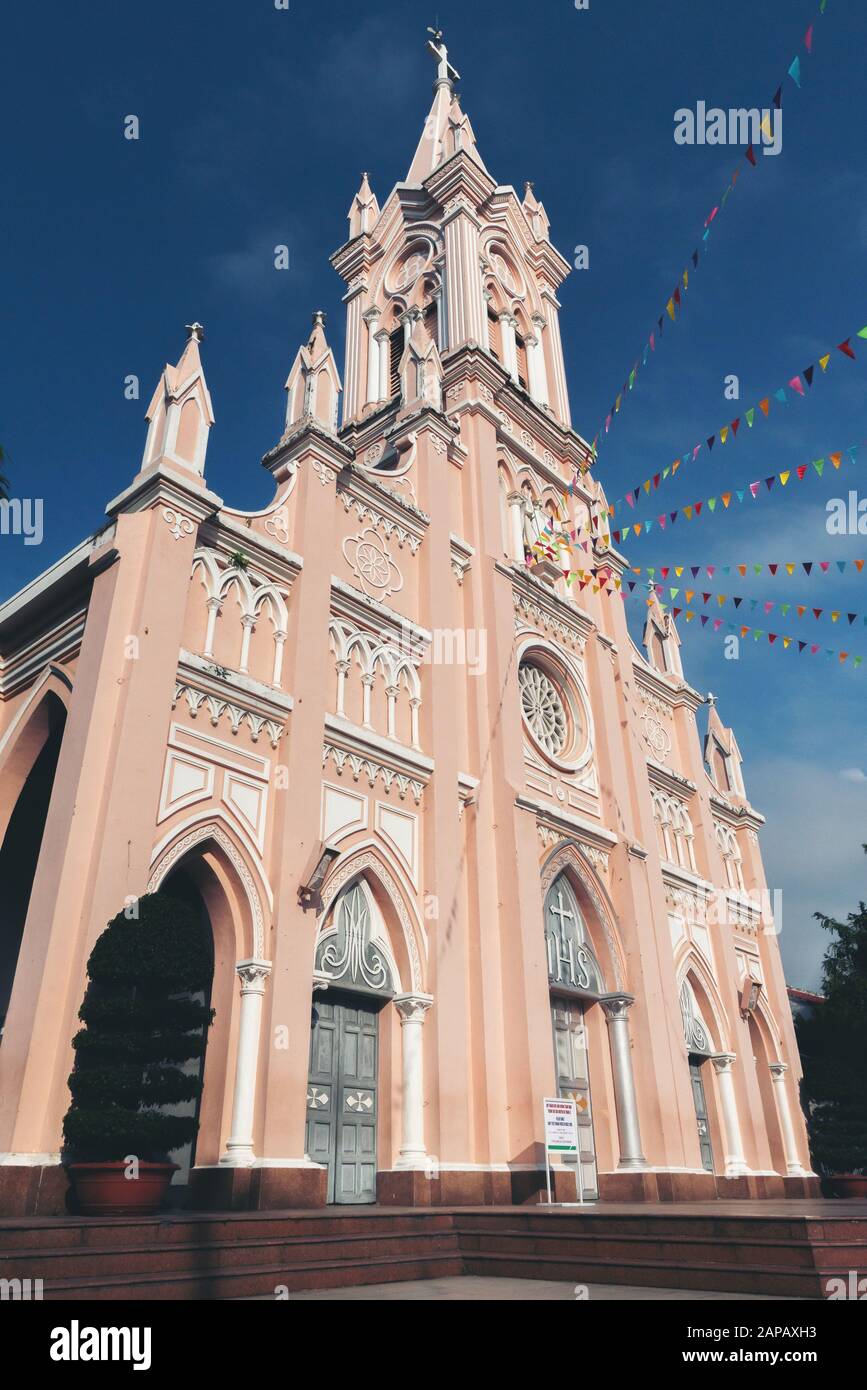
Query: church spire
{"type": "Point", "coordinates": [313, 385]}
{"type": "Point", "coordinates": [446, 129]}
{"type": "Point", "coordinates": [180, 414]}
{"type": "Point", "coordinates": [364, 210]}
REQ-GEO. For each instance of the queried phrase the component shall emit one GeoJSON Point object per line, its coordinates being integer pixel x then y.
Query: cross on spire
{"type": "Point", "coordinates": [195, 330]}
{"type": "Point", "coordinates": [446, 72]}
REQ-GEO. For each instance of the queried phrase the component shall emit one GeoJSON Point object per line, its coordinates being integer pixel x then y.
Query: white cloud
{"type": "Point", "coordinates": [853, 774]}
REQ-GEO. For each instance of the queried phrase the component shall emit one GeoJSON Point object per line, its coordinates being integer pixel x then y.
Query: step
{"type": "Point", "coordinates": [648, 1274]}
{"type": "Point", "coordinates": [169, 1257]}
{"type": "Point", "coordinates": [256, 1280]}
{"type": "Point", "coordinates": [667, 1249]}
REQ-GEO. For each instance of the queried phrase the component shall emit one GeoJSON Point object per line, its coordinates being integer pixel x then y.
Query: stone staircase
{"type": "Point", "coordinates": [185, 1255]}
{"type": "Point", "coordinates": [225, 1256]}
{"type": "Point", "coordinates": [748, 1252]}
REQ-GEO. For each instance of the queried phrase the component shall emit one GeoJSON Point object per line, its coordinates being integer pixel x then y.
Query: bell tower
{"type": "Point", "coordinates": [453, 258]}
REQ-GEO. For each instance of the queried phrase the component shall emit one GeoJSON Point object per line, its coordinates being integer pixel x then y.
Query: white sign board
{"type": "Point", "coordinates": [561, 1126]}
{"type": "Point", "coordinates": [561, 1136]}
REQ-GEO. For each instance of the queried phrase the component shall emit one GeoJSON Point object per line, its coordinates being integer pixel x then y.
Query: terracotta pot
{"type": "Point", "coordinates": [102, 1189]}
{"type": "Point", "coordinates": [849, 1185]}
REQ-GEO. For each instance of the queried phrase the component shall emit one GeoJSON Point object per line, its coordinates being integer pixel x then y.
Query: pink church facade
{"type": "Point", "coordinates": [459, 841]}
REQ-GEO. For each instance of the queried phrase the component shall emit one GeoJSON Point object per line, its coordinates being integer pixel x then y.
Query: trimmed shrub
{"type": "Point", "coordinates": [140, 1026]}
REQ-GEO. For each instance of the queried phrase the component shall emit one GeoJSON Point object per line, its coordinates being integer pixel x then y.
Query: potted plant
{"type": "Point", "coordinates": [142, 1023]}
{"type": "Point", "coordinates": [838, 1136]}
{"type": "Point", "coordinates": [833, 1042]}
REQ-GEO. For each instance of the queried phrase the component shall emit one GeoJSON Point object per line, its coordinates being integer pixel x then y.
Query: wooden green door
{"type": "Point", "coordinates": [341, 1095]}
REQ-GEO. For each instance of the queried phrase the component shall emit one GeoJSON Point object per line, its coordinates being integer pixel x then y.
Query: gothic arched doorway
{"type": "Point", "coordinates": [355, 976]}
{"type": "Point", "coordinates": [575, 983]}
{"type": "Point", "coordinates": [699, 1049]}
{"type": "Point", "coordinates": [22, 841]}
{"type": "Point", "coordinates": [182, 885]}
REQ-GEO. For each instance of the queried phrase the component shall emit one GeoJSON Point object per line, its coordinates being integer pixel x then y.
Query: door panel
{"type": "Point", "coordinates": [341, 1097]}
{"type": "Point", "coordinates": [700, 1103]}
{"type": "Point", "coordinates": [573, 1082]}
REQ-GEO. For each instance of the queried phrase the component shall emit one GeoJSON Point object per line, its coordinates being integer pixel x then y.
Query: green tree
{"type": "Point", "coordinates": [142, 1023]}
{"type": "Point", "coordinates": [833, 1044]}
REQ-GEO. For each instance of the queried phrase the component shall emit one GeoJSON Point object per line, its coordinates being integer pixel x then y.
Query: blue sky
{"type": "Point", "coordinates": [255, 123]}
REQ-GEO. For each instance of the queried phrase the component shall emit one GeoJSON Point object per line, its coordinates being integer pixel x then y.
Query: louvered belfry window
{"type": "Point", "coordinates": [494, 335]}
{"type": "Point", "coordinates": [395, 347]}
{"type": "Point", "coordinates": [521, 353]}
{"type": "Point", "coordinates": [431, 322]}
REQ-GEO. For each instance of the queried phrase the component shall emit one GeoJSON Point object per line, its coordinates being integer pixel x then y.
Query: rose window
{"type": "Point", "coordinates": [543, 709]}
{"type": "Point", "coordinates": [372, 564]}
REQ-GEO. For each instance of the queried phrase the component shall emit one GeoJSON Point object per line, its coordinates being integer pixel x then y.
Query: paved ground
{"type": "Point", "coordinates": [476, 1289]}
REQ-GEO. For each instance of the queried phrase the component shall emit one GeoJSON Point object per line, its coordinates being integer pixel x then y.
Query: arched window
{"type": "Point", "coordinates": [695, 1033]}
{"type": "Point", "coordinates": [683, 836]}
{"type": "Point", "coordinates": [571, 962]}
{"type": "Point", "coordinates": [728, 843]}
{"type": "Point", "coordinates": [351, 950]}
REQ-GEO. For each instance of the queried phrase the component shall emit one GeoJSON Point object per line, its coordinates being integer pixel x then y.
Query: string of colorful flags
{"type": "Point", "coordinates": [786, 641]}
{"type": "Point", "coordinates": [551, 543]}
{"type": "Point", "coordinates": [752, 490]}
{"type": "Point", "coordinates": [604, 578]}
{"type": "Point", "coordinates": [706, 621]}
{"type": "Point", "coordinates": [797, 388]}
{"type": "Point", "coordinates": [689, 598]}
{"type": "Point", "coordinates": [774, 568]}
{"type": "Point", "coordinates": [676, 299]}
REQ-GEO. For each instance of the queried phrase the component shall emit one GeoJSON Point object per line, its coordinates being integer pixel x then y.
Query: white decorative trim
{"type": "Point", "coordinates": [29, 1160]}
{"type": "Point", "coordinates": [203, 833]}
{"type": "Point", "coordinates": [372, 770]}
{"type": "Point", "coordinates": [354, 866]}
{"type": "Point", "coordinates": [179, 525]}
{"type": "Point", "coordinates": [245, 700]}
{"type": "Point", "coordinates": [461, 554]}
{"type": "Point", "coordinates": [371, 562]}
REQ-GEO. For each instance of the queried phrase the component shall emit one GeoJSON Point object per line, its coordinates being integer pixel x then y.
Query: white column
{"type": "Point", "coordinates": [279, 643]}
{"type": "Point", "coordinates": [616, 1007]}
{"type": "Point", "coordinates": [414, 706]}
{"type": "Point", "coordinates": [442, 313]}
{"type": "Point", "coordinates": [536, 363]}
{"type": "Point", "coordinates": [466, 307]}
{"type": "Point", "coordinates": [342, 670]}
{"type": "Point", "coordinates": [507, 342]}
{"type": "Point", "coordinates": [213, 611]}
{"type": "Point", "coordinates": [248, 622]}
{"type": "Point", "coordinates": [735, 1163]}
{"type": "Point", "coordinates": [371, 318]}
{"type": "Point", "coordinates": [790, 1146]}
{"type": "Point", "coordinates": [354, 361]}
{"type": "Point", "coordinates": [392, 692]}
{"type": "Point", "coordinates": [367, 687]}
{"type": "Point", "coordinates": [382, 344]}
{"type": "Point", "coordinates": [239, 1146]}
{"type": "Point", "coordinates": [516, 517]}
{"type": "Point", "coordinates": [412, 1009]}
{"type": "Point", "coordinates": [561, 392]}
